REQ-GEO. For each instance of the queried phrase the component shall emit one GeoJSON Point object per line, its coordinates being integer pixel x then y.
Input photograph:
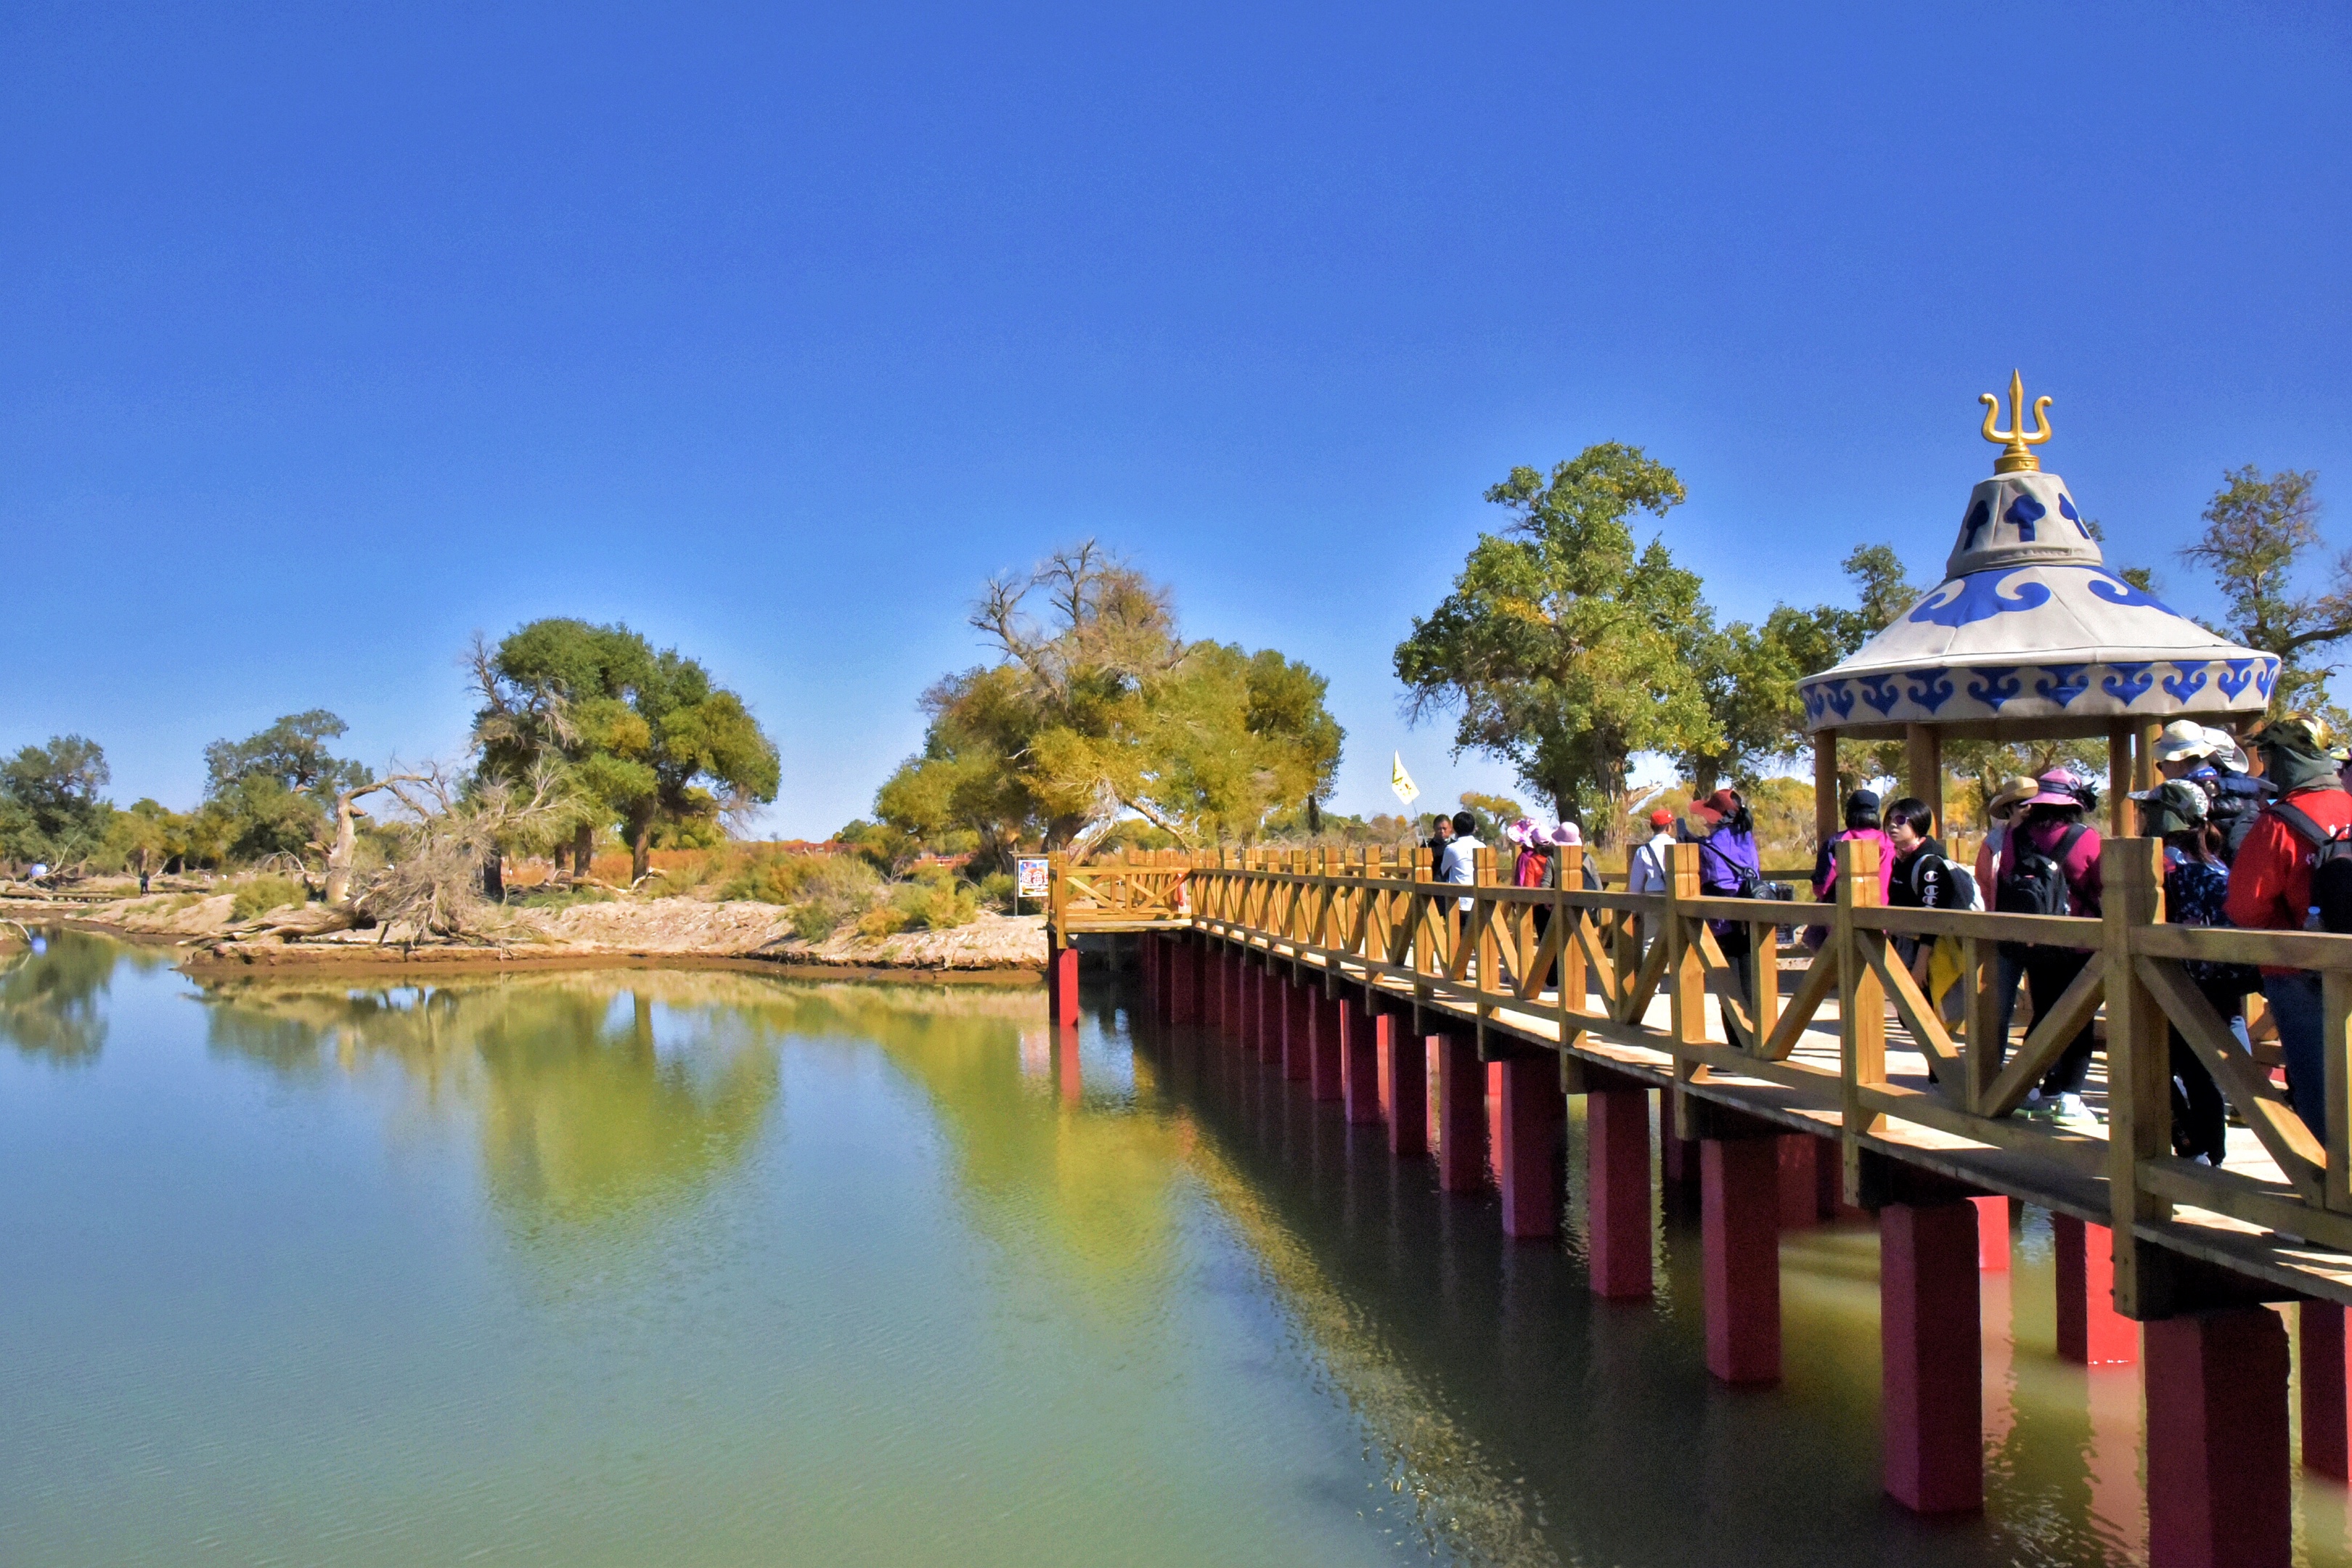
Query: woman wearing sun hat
{"type": "Point", "coordinates": [2051, 825]}
{"type": "Point", "coordinates": [2009, 962]}
{"type": "Point", "coordinates": [2196, 892]}
{"type": "Point", "coordinates": [1729, 868]}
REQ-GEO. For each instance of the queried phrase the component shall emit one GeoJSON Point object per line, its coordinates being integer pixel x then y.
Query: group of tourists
{"type": "Point", "coordinates": [2256, 835]}
{"type": "Point", "coordinates": [2260, 841]}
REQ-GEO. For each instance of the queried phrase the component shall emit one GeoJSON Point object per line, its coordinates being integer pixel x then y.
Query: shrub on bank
{"type": "Point", "coordinates": [259, 895]}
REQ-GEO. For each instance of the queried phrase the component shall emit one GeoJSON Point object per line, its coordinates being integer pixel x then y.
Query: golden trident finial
{"type": "Point", "coordinates": [2014, 456]}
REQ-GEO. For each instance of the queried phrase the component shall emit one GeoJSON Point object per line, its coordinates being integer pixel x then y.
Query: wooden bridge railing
{"type": "Point", "coordinates": [1570, 968]}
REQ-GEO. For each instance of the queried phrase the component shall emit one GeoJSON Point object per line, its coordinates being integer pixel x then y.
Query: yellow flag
{"type": "Point", "coordinates": [1402, 782]}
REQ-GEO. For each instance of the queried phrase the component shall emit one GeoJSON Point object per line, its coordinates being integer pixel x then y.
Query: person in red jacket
{"type": "Point", "coordinates": [2270, 890]}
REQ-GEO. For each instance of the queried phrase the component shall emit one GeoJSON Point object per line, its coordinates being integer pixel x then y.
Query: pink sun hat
{"type": "Point", "coordinates": [2057, 788]}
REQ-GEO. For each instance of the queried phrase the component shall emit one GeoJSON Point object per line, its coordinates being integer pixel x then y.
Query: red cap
{"type": "Point", "coordinates": [1662, 818]}
{"type": "Point", "coordinates": [1717, 807]}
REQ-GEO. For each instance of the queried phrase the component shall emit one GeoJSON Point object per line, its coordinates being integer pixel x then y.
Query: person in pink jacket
{"type": "Point", "coordinates": [1862, 825]}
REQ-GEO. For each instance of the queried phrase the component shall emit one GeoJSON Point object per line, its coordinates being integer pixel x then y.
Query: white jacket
{"type": "Point", "coordinates": [1646, 867]}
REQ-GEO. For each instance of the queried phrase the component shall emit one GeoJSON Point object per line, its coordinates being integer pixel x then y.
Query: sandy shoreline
{"type": "Point", "coordinates": [681, 931]}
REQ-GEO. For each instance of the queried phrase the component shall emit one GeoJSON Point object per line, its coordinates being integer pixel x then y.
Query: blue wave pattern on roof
{"type": "Point", "coordinates": [1977, 597]}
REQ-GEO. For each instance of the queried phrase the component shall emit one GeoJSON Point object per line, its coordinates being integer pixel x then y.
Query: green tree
{"type": "Point", "coordinates": [51, 808]}
{"type": "Point", "coordinates": [148, 837]}
{"type": "Point", "coordinates": [270, 792]}
{"type": "Point", "coordinates": [1565, 646]}
{"type": "Point", "coordinates": [1098, 709]}
{"type": "Point", "coordinates": [2257, 532]}
{"type": "Point", "coordinates": [646, 740]}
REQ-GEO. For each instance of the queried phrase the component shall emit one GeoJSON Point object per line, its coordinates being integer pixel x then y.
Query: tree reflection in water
{"type": "Point", "coordinates": [52, 994]}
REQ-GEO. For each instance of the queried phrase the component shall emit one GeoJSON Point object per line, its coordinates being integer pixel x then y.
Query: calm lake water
{"type": "Point", "coordinates": [632, 1268]}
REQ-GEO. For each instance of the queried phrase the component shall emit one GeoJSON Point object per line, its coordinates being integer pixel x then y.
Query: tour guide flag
{"type": "Point", "coordinates": [1401, 781]}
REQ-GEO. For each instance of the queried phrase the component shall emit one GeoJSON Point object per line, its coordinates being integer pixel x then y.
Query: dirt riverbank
{"type": "Point", "coordinates": [738, 933]}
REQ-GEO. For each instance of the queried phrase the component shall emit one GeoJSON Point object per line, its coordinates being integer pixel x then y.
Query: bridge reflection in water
{"type": "Point", "coordinates": [1550, 1421]}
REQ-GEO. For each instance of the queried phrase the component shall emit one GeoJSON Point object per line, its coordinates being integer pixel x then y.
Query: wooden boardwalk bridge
{"type": "Point", "coordinates": [1354, 973]}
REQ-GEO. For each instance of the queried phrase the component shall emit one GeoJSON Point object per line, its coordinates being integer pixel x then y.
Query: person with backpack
{"type": "Point", "coordinates": [2050, 867]}
{"type": "Point", "coordinates": [2008, 801]}
{"type": "Point", "coordinates": [2234, 797]}
{"type": "Point", "coordinates": [1925, 877]}
{"type": "Point", "coordinates": [2195, 893]}
{"type": "Point", "coordinates": [1646, 867]}
{"type": "Point", "coordinates": [1861, 822]}
{"type": "Point", "coordinates": [2294, 872]}
{"type": "Point", "coordinates": [1729, 868]}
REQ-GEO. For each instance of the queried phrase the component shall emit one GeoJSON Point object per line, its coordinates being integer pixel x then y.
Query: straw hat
{"type": "Point", "coordinates": [2013, 792]}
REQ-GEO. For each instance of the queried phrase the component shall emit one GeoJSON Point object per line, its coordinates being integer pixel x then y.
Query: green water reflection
{"type": "Point", "coordinates": [656, 1266]}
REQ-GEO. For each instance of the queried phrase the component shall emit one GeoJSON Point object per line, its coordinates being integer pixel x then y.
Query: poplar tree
{"type": "Point", "coordinates": [1567, 646]}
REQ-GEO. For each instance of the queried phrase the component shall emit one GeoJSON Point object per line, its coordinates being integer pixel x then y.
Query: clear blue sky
{"type": "Point", "coordinates": [329, 335]}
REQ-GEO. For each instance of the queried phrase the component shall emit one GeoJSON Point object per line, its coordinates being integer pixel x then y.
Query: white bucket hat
{"type": "Point", "coordinates": [2226, 751]}
{"type": "Point", "coordinates": [2182, 738]}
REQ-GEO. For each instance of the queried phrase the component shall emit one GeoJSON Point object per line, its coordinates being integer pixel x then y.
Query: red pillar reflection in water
{"type": "Point", "coordinates": [1740, 1212]}
{"type": "Point", "coordinates": [1529, 1114]}
{"type": "Point", "coordinates": [1461, 1113]}
{"type": "Point", "coordinates": [1931, 1342]}
{"type": "Point", "coordinates": [1065, 1056]}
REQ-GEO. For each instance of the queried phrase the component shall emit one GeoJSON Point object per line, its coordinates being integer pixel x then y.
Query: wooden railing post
{"type": "Point", "coordinates": [1571, 952]}
{"type": "Point", "coordinates": [1684, 978]}
{"type": "Point", "coordinates": [1488, 954]}
{"type": "Point", "coordinates": [1981, 973]}
{"type": "Point", "coordinates": [1422, 913]}
{"type": "Point", "coordinates": [2139, 1061]}
{"type": "Point", "coordinates": [1862, 1006]}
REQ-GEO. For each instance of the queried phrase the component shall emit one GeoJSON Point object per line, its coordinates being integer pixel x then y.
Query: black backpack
{"type": "Point", "coordinates": [2331, 866]}
{"type": "Point", "coordinates": [2032, 882]}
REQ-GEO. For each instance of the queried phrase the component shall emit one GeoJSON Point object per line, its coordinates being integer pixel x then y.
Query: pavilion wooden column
{"type": "Point", "coordinates": [2119, 779]}
{"type": "Point", "coordinates": [1827, 819]}
{"type": "Point", "coordinates": [1923, 755]}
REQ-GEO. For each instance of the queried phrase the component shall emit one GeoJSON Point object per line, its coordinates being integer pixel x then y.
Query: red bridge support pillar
{"type": "Point", "coordinates": [1062, 985]}
{"type": "Point", "coordinates": [1617, 1188]}
{"type": "Point", "coordinates": [1739, 1227]}
{"type": "Point", "coordinates": [1800, 1183]}
{"type": "Point", "coordinates": [2218, 1491]}
{"type": "Point", "coordinates": [1297, 1030]}
{"type": "Point", "coordinates": [1461, 1114]}
{"type": "Point", "coordinates": [1183, 982]}
{"type": "Point", "coordinates": [1407, 1091]}
{"type": "Point", "coordinates": [1992, 1234]}
{"type": "Point", "coordinates": [1267, 1033]}
{"type": "Point", "coordinates": [1323, 1011]}
{"type": "Point", "coordinates": [1931, 1346]}
{"type": "Point", "coordinates": [1532, 1112]}
{"type": "Point", "coordinates": [2090, 1330]}
{"type": "Point", "coordinates": [1361, 1036]}
{"type": "Point", "coordinates": [2325, 1373]}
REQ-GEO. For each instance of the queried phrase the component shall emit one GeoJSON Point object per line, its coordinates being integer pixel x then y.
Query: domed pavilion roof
{"type": "Point", "coordinates": [2029, 632]}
